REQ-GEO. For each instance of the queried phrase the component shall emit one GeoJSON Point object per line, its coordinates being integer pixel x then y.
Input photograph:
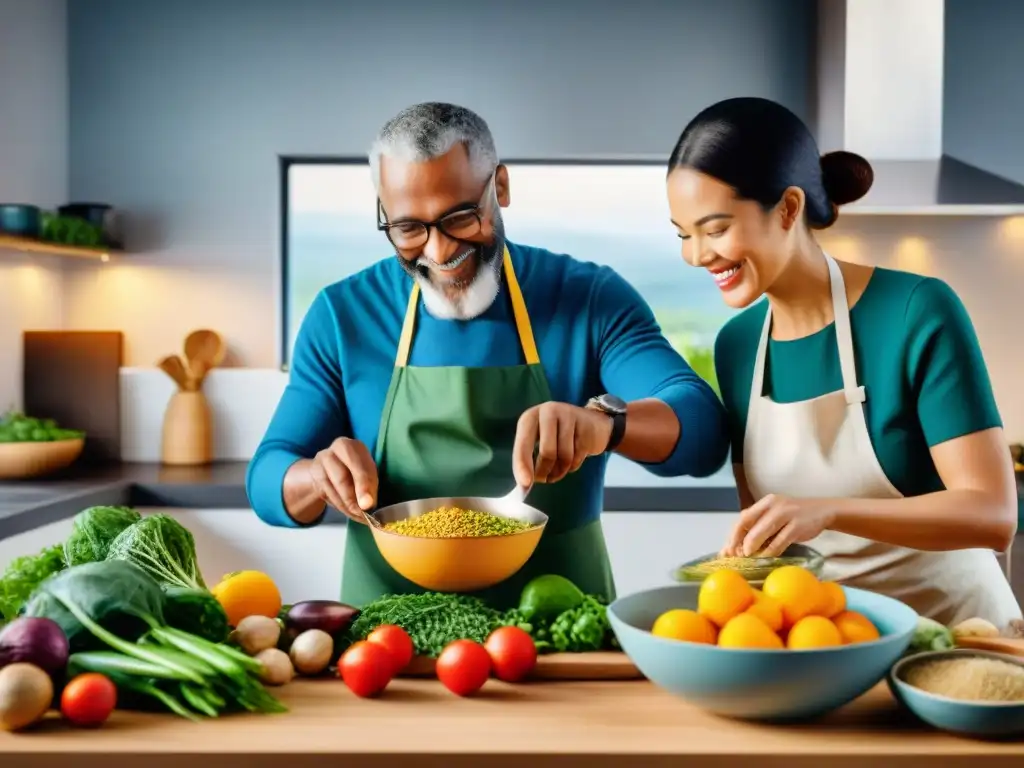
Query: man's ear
{"type": "Point", "coordinates": [501, 186]}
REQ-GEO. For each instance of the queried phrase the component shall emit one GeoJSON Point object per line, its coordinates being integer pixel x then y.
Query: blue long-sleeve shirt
{"type": "Point", "coordinates": [594, 333]}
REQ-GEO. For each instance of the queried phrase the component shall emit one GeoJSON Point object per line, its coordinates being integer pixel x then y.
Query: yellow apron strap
{"type": "Point", "coordinates": [522, 317]}
{"type": "Point", "coordinates": [405, 340]}
{"type": "Point", "coordinates": [523, 325]}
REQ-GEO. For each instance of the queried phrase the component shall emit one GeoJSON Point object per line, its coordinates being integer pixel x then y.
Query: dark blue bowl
{"type": "Point", "coordinates": [969, 718]}
{"type": "Point", "coordinates": [756, 684]}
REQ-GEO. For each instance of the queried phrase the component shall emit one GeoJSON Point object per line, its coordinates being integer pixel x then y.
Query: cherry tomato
{"type": "Point", "coordinates": [88, 699]}
{"type": "Point", "coordinates": [366, 668]}
{"type": "Point", "coordinates": [463, 667]}
{"type": "Point", "coordinates": [513, 653]}
{"type": "Point", "coordinates": [397, 641]}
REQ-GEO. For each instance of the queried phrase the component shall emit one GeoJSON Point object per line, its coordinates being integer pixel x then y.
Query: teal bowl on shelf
{"type": "Point", "coordinates": [993, 720]}
{"type": "Point", "coordinates": [761, 684]}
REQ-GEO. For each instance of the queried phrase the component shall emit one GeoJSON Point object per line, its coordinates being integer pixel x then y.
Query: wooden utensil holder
{"type": "Point", "coordinates": [188, 430]}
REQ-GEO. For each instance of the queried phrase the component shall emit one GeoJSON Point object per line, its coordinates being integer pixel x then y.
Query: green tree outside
{"type": "Point", "coordinates": [688, 332]}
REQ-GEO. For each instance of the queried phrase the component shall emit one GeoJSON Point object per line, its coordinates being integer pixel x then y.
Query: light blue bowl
{"type": "Point", "coordinates": [754, 684]}
{"type": "Point", "coordinates": [969, 718]}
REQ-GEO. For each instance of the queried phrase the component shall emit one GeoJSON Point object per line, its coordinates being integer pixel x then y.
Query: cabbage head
{"type": "Point", "coordinates": [92, 532]}
{"type": "Point", "coordinates": [162, 547]}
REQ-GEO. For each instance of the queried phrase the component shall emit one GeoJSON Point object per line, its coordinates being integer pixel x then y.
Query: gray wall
{"type": "Point", "coordinates": [33, 102]}
{"type": "Point", "coordinates": [178, 116]}
{"type": "Point", "coordinates": [33, 167]}
{"type": "Point", "coordinates": [984, 85]}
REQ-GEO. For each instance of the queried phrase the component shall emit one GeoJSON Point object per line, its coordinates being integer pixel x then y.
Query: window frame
{"type": "Point", "coordinates": [695, 498]}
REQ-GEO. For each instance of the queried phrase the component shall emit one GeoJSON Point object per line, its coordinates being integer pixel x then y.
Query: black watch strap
{"type": "Point", "coordinates": [618, 431]}
{"type": "Point", "coordinates": [615, 409]}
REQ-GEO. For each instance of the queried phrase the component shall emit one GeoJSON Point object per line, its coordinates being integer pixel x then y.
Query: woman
{"type": "Point", "coordinates": [862, 414]}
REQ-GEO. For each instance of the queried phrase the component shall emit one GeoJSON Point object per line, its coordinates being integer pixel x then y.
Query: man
{"type": "Point", "coordinates": [512, 351]}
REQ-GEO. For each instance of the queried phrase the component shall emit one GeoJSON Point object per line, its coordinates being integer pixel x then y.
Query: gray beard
{"type": "Point", "coordinates": [472, 298]}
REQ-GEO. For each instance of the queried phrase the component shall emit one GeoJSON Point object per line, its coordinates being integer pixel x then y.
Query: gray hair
{"type": "Point", "coordinates": [428, 131]}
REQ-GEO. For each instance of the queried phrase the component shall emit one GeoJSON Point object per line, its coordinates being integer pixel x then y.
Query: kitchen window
{"type": "Point", "coordinates": [614, 213]}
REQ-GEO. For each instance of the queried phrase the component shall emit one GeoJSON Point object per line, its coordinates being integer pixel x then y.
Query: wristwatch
{"type": "Point", "coordinates": [615, 407]}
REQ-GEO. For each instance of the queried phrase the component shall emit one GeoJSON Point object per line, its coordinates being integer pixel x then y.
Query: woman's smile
{"type": "Point", "coordinates": [727, 275]}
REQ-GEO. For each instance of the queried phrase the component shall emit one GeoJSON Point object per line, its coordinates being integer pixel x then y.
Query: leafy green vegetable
{"type": "Point", "coordinates": [16, 427]}
{"type": "Point", "coordinates": [118, 595]}
{"type": "Point", "coordinates": [930, 635]}
{"type": "Point", "coordinates": [113, 614]}
{"type": "Point", "coordinates": [163, 547]}
{"type": "Point", "coordinates": [93, 530]}
{"type": "Point", "coordinates": [22, 577]}
{"type": "Point", "coordinates": [432, 619]}
{"type": "Point", "coordinates": [197, 612]}
{"type": "Point", "coordinates": [584, 628]}
{"type": "Point", "coordinates": [435, 619]}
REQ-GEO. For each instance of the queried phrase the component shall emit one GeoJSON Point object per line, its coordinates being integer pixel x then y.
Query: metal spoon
{"type": "Point", "coordinates": [513, 499]}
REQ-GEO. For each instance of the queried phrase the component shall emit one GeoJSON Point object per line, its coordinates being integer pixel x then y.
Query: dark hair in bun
{"type": "Point", "coordinates": [760, 149]}
{"type": "Point", "coordinates": [846, 176]}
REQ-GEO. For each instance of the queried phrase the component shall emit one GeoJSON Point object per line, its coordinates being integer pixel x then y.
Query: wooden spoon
{"type": "Point", "coordinates": [204, 349]}
{"type": "Point", "coordinates": [174, 367]}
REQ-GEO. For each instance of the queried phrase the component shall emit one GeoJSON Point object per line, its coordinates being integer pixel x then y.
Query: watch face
{"type": "Point", "coordinates": [612, 404]}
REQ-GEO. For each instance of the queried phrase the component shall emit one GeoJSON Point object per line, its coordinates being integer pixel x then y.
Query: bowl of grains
{"type": "Point", "coordinates": [754, 569]}
{"type": "Point", "coordinates": [965, 691]}
{"type": "Point", "coordinates": [457, 544]}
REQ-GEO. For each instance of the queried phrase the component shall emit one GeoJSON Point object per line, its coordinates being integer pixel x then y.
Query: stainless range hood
{"type": "Point", "coordinates": [880, 94]}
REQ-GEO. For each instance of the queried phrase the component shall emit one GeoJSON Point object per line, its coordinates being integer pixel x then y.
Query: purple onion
{"type": "Point", "coordinates": [35, 640]}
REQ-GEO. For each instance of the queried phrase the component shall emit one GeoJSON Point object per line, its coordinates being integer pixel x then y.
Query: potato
{"type": "Point", "coordinates": [311, 652]}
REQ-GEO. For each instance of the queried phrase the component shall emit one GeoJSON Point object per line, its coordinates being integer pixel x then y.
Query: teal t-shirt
{"type": "Point", "coordinates": [917, 356]}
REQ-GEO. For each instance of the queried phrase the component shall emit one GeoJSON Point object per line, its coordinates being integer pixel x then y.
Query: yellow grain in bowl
{"type": "Point", "coordinates": [970, 678]}
{"type": "Point", "coordinates": [455, 522]}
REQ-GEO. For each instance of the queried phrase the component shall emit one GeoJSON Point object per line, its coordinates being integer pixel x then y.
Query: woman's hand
{"type": "Point", "coordinates": [770, 525]}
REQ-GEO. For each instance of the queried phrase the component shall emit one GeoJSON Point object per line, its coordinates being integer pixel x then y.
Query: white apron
{"type": "Point", "coordinates": [821, 448]}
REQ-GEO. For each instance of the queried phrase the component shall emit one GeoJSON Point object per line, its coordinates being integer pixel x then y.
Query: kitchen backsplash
{"type": "Point", "coordinates": [242, 401]}
{"type": "Point", "coordinates": [31, 297]}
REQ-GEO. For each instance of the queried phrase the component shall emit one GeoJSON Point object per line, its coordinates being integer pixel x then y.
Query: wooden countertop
{"type": "Point", "coordinates": [539, 725]}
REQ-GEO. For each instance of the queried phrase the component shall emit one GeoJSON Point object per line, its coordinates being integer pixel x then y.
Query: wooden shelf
{"type": "Point", "coordinates": [28, 245]}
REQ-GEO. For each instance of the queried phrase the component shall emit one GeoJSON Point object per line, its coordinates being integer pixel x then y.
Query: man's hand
{"type": "Point", "coordinates": [345, 476]}
{"type": "Point", "coordinates": [774, 522]}
{"type": "Point", "coordinates": [565, 436]}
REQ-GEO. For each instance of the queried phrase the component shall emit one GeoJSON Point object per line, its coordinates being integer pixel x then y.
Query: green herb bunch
{"type": "Point", "coordinates": [435, 619]}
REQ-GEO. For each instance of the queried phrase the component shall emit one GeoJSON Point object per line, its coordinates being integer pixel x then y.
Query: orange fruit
{"type": "Point", "coordinates": [813, 632]}
{"type": "Point", "coordinates": [767, 609]}
{"type": "Point", "coordinates": [748, 631]}
{"type": "Point", "coordinates": [796, 589]}
{"type": "Point", "coordinates": [723, 595]}
{"type": "Point", "coordinates": [686, 625]}
{"type": "Point", "coordinates": [833, 599]}
{"type": "Point", "coordinates": [247, 593]}
{"type": "Point", "coordinates": [855, 627]}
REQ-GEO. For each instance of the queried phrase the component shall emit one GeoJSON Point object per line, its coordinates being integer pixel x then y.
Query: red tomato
{"type": "Point", "coordinates": [397, 641]}
{"type": "Point", "coordinates": [366, 668]}
{"type": "Point", "coordinates": [463, 667]}
{"type": "Point", "coordinates": [513, 653]}
{"type": "Point", "coordinates": [88, 699]}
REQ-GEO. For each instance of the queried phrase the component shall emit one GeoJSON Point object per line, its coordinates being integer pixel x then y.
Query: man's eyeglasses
{"type": "Point", "coordinates": [462, 224]}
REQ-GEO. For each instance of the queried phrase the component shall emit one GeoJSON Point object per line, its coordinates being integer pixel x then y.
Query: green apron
{"type": "Point", "coordinates": [449, 431]}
